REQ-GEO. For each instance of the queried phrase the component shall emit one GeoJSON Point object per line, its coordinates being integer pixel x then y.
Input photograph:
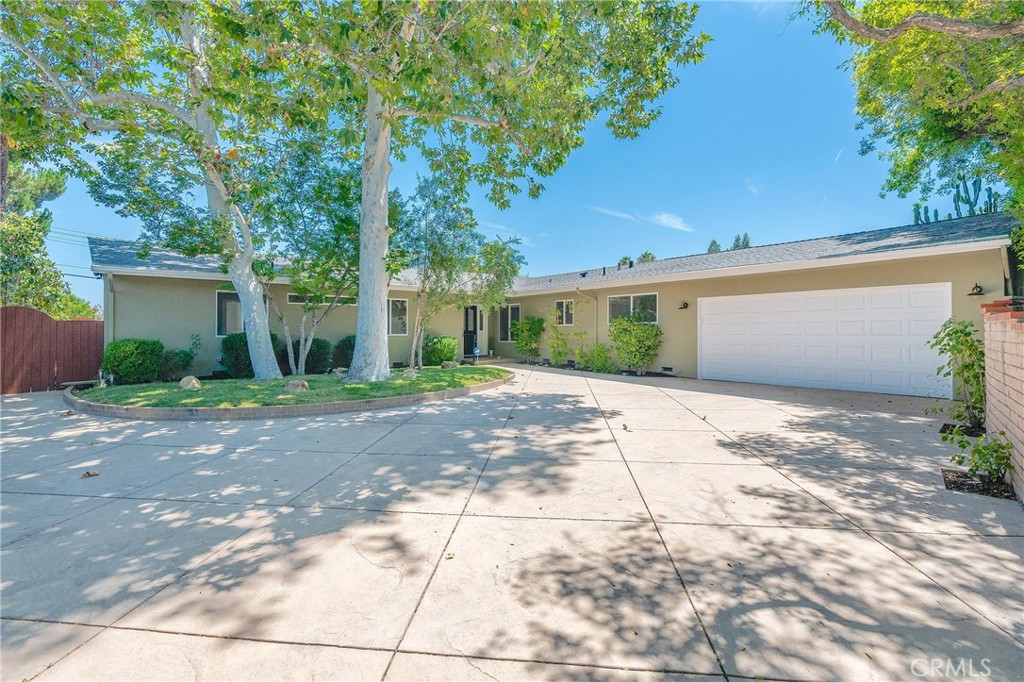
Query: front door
{"type": "Point", "coordinates": [470, 322]}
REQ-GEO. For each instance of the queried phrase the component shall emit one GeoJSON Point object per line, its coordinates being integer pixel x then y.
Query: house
{"type": "Point", "coordinates": [852, 312]}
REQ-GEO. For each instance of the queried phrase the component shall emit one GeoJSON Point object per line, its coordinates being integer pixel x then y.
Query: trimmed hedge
{"type": "Point", "coordinates": [234, 350]}
{"type": "Point", "coordinates": [438, 349]}
{"type": "Point", "coordinates": [134, 361]}
{"type": "Point", "coordinates": [343, 351]}
{"type": "Point", "coordinates": [318, 357]}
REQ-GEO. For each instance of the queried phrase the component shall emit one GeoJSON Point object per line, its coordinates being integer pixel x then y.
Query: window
{"type": "Point", "coordinates": [299, 299]}
{"type": "Point", "coordinates": [398, 316]}
{"type": "Point", "coordinates": [229, 313]}
{"type": "Point", "coordinates": [645, 305]}
{"type": "Point", "coordinates": [506, 316]}
{"type": "Point", "coordinates": [564, 313]}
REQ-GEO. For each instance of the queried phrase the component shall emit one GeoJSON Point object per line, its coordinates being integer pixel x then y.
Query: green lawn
{"type": "Point", "coordinates": [322, 389]}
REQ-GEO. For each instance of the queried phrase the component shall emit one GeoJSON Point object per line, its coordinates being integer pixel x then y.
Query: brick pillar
{"type": "Point", "coordinates": [1004, 380]}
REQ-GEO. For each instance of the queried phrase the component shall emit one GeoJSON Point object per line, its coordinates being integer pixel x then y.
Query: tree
{"type": "Point", "coordinates": [314, 207]}
{"type": "Point", "coordinates": [174, 107]}
{"type": "Point", "coordinates": [488, 92]}
{"type": "Point", "coordinates": [456, 265]}
{"type": "Point", "coordinates": [645, 257]}
{"type": "Point", "coordinates": [940, 92]}
{"type": "Point", "coordinates": [625, 261]}
{"type": "Point", "coordinates": [714, 246]}
{"type": "Point", "coordinates": [27, 276]}
{"type": "Point", "coordinates": [740, 242]}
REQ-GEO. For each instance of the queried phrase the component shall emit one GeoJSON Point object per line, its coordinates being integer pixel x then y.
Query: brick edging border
{"type": "Point", "coordinates": [280, 411]}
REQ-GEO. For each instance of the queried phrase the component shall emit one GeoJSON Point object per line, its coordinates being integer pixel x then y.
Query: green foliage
{"type": "Point", "coordinates": [958, 342]}
{"type": "Point", "coordinates": [985, 457]}
{"type": "Point", "coordinates": [625, 261]}
{"type": "Point", "coordinates": [318, 356]}
{"type": "Point", "coordinates": [437, 349]}
{"type": "Point", "coordinates": [597, 358]}
{"type": "Point", "coordinates": [134, 361]}
{"type": "Point", "coordinates": [937, 106]}
{"type": "Point", "coordinates": [342, 356]}
{"type": "Point", "coordinates": [714, 247]}
{"type": "Point", "coordinates": [527, 333]}
{"type": "Point", "coordinates": [456, 264]}
{"type": "Point", "coordinates": [234, 350]}
{"type": "Point", "coordinates": [636, 342]}
{"type": "Point", "coordinates": [177, 363]}
{"type": "Point", "coordinates": [740, 242]}
{"type": "Point", "coordinates": [646, 257]}
{"type": "Point", "coordinates": [558, 346]}
{"type": "Point", "coordinates": [558, 343]}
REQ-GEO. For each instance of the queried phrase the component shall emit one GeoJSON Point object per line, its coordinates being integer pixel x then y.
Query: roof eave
{"type": "Point", "coordinates": [767, 268]}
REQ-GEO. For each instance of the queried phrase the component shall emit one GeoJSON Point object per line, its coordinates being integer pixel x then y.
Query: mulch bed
{"type": "Point", "coordinates": [963, 482]}
{"type": "Point", "coordinates": [973, 432]}
{"type": "Point", "coordinates": [624, 372]}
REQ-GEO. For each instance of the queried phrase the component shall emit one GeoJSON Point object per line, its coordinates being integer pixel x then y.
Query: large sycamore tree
{"type": "Point", "coordinates": [171, 105]}
{"type": "Point", "coordinates": [940, 88]}
{"type": "Point", "coordinates": [496, 93]}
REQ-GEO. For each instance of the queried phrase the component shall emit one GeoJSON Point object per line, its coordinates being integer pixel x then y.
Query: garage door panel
{"type": "Point", "coordinates": [867, 339]}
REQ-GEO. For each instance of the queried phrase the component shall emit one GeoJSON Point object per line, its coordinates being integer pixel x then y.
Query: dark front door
{"type": "Point", "coordinates": [470, 320]}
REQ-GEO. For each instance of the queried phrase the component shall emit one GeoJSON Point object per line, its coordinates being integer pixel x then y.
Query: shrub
{"type": "Point", "coordinates": [636, 342]}
{"type": "Point", "coordinates": [134, 361]}
{"type": "Point", "coordinates": [988, 456]}
{"type": "Point", "coordinates": [318, 357]}
{"type": "Point", "coordinates": [957, 340]}
{"type": "Point", "coordinates": [558, 346]}
{"type": "Point", "coordinates": [437, 349]}
{"type": "Point", "coordinates": [177, 363]}
{"type": "Point", "coordinates": [343, 352]}
{"type": "Point", "coordinates": [527, 333]}
{"type": "Point", "coordinates": [234, 350]}
{"type": "Point", "coordinates": [597, 358]}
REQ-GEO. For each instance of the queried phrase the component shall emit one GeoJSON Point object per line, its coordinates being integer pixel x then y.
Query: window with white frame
{"type": "Point", "coordinates": [398, 316]}
{"type": "Point", "coordinates": [644, 305]}
{"type": "Point", "coordinates": [565, 313]}
{"type": "Point", "coordinates": [229, 313]}
{"type": "Point", "coordinates": [506, 316]}
{"type": "Point", "coordinates": [300, 299]}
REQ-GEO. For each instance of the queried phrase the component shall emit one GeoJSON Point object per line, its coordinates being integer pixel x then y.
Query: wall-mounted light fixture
{"type": "Point", "coordinates": [976, 290]}
{"type": "Point", "coordinates": [684, 305]}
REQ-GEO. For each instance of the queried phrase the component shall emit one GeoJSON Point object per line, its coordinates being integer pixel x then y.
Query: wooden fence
{"type": "Point", "coordinates": [39, 353]}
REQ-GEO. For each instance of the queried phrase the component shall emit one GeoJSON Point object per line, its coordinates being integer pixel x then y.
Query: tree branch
{"type": "Point", "coordinates": [930, 22]}
{"type": "Point", "coordinates": [121, 96]}
{"type": "Point", "coordinates": [993, 88]}
{"type": "Point", "coordinates": [501, 124]}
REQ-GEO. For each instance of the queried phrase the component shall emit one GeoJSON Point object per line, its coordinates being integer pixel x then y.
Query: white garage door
{"type": "Point", "coordinates": [870, 339]}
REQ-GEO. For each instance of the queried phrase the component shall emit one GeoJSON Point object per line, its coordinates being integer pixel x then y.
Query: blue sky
{"type": "Point", "coordinates": [758, 138]}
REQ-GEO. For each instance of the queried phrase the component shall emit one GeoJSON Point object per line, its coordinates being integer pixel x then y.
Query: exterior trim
{"type": "Point", "coordinates": [783, 266]}
{"type": "Point", "coordinates": [213, 276]}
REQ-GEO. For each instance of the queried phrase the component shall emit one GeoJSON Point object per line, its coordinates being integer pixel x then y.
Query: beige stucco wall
{"type": "Point", "coordinates": [171, 310]}
{"type": "Point", "coordinates": [679, 347]}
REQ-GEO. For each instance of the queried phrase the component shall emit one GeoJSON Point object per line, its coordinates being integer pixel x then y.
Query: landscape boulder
{"type": "Point", "coordinates": [448, 364]}
{"type": "Point", "coordinates": [189, 383]}
{"type": "Point", "coordinates": [409, 373]}
{"type": "Point", "coordinates": [296, 386]}
{"type": "Point", "coordinates": [339, 372]}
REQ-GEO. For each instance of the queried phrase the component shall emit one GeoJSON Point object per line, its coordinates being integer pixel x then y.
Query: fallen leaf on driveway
{"type": "Point", "coordinates": [89, 474]}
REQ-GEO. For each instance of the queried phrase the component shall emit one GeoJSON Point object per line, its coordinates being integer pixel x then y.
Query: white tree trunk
{"type": "Point", "coordinates": [255, 318]}
{"type": "Point", "coordinates": [370, 360]}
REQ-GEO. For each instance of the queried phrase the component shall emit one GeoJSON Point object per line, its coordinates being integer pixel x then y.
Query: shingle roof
{"type": "Point", "coordinates": [893, 239]}
{"type": "Point", "coordinates": [124, 255]}
{"type": "Point", "coordinates": [118, 254]}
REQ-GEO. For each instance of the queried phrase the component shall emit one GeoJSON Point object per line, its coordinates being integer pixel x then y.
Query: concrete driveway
{"type": "Point", "coordinates": [564, 526]}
